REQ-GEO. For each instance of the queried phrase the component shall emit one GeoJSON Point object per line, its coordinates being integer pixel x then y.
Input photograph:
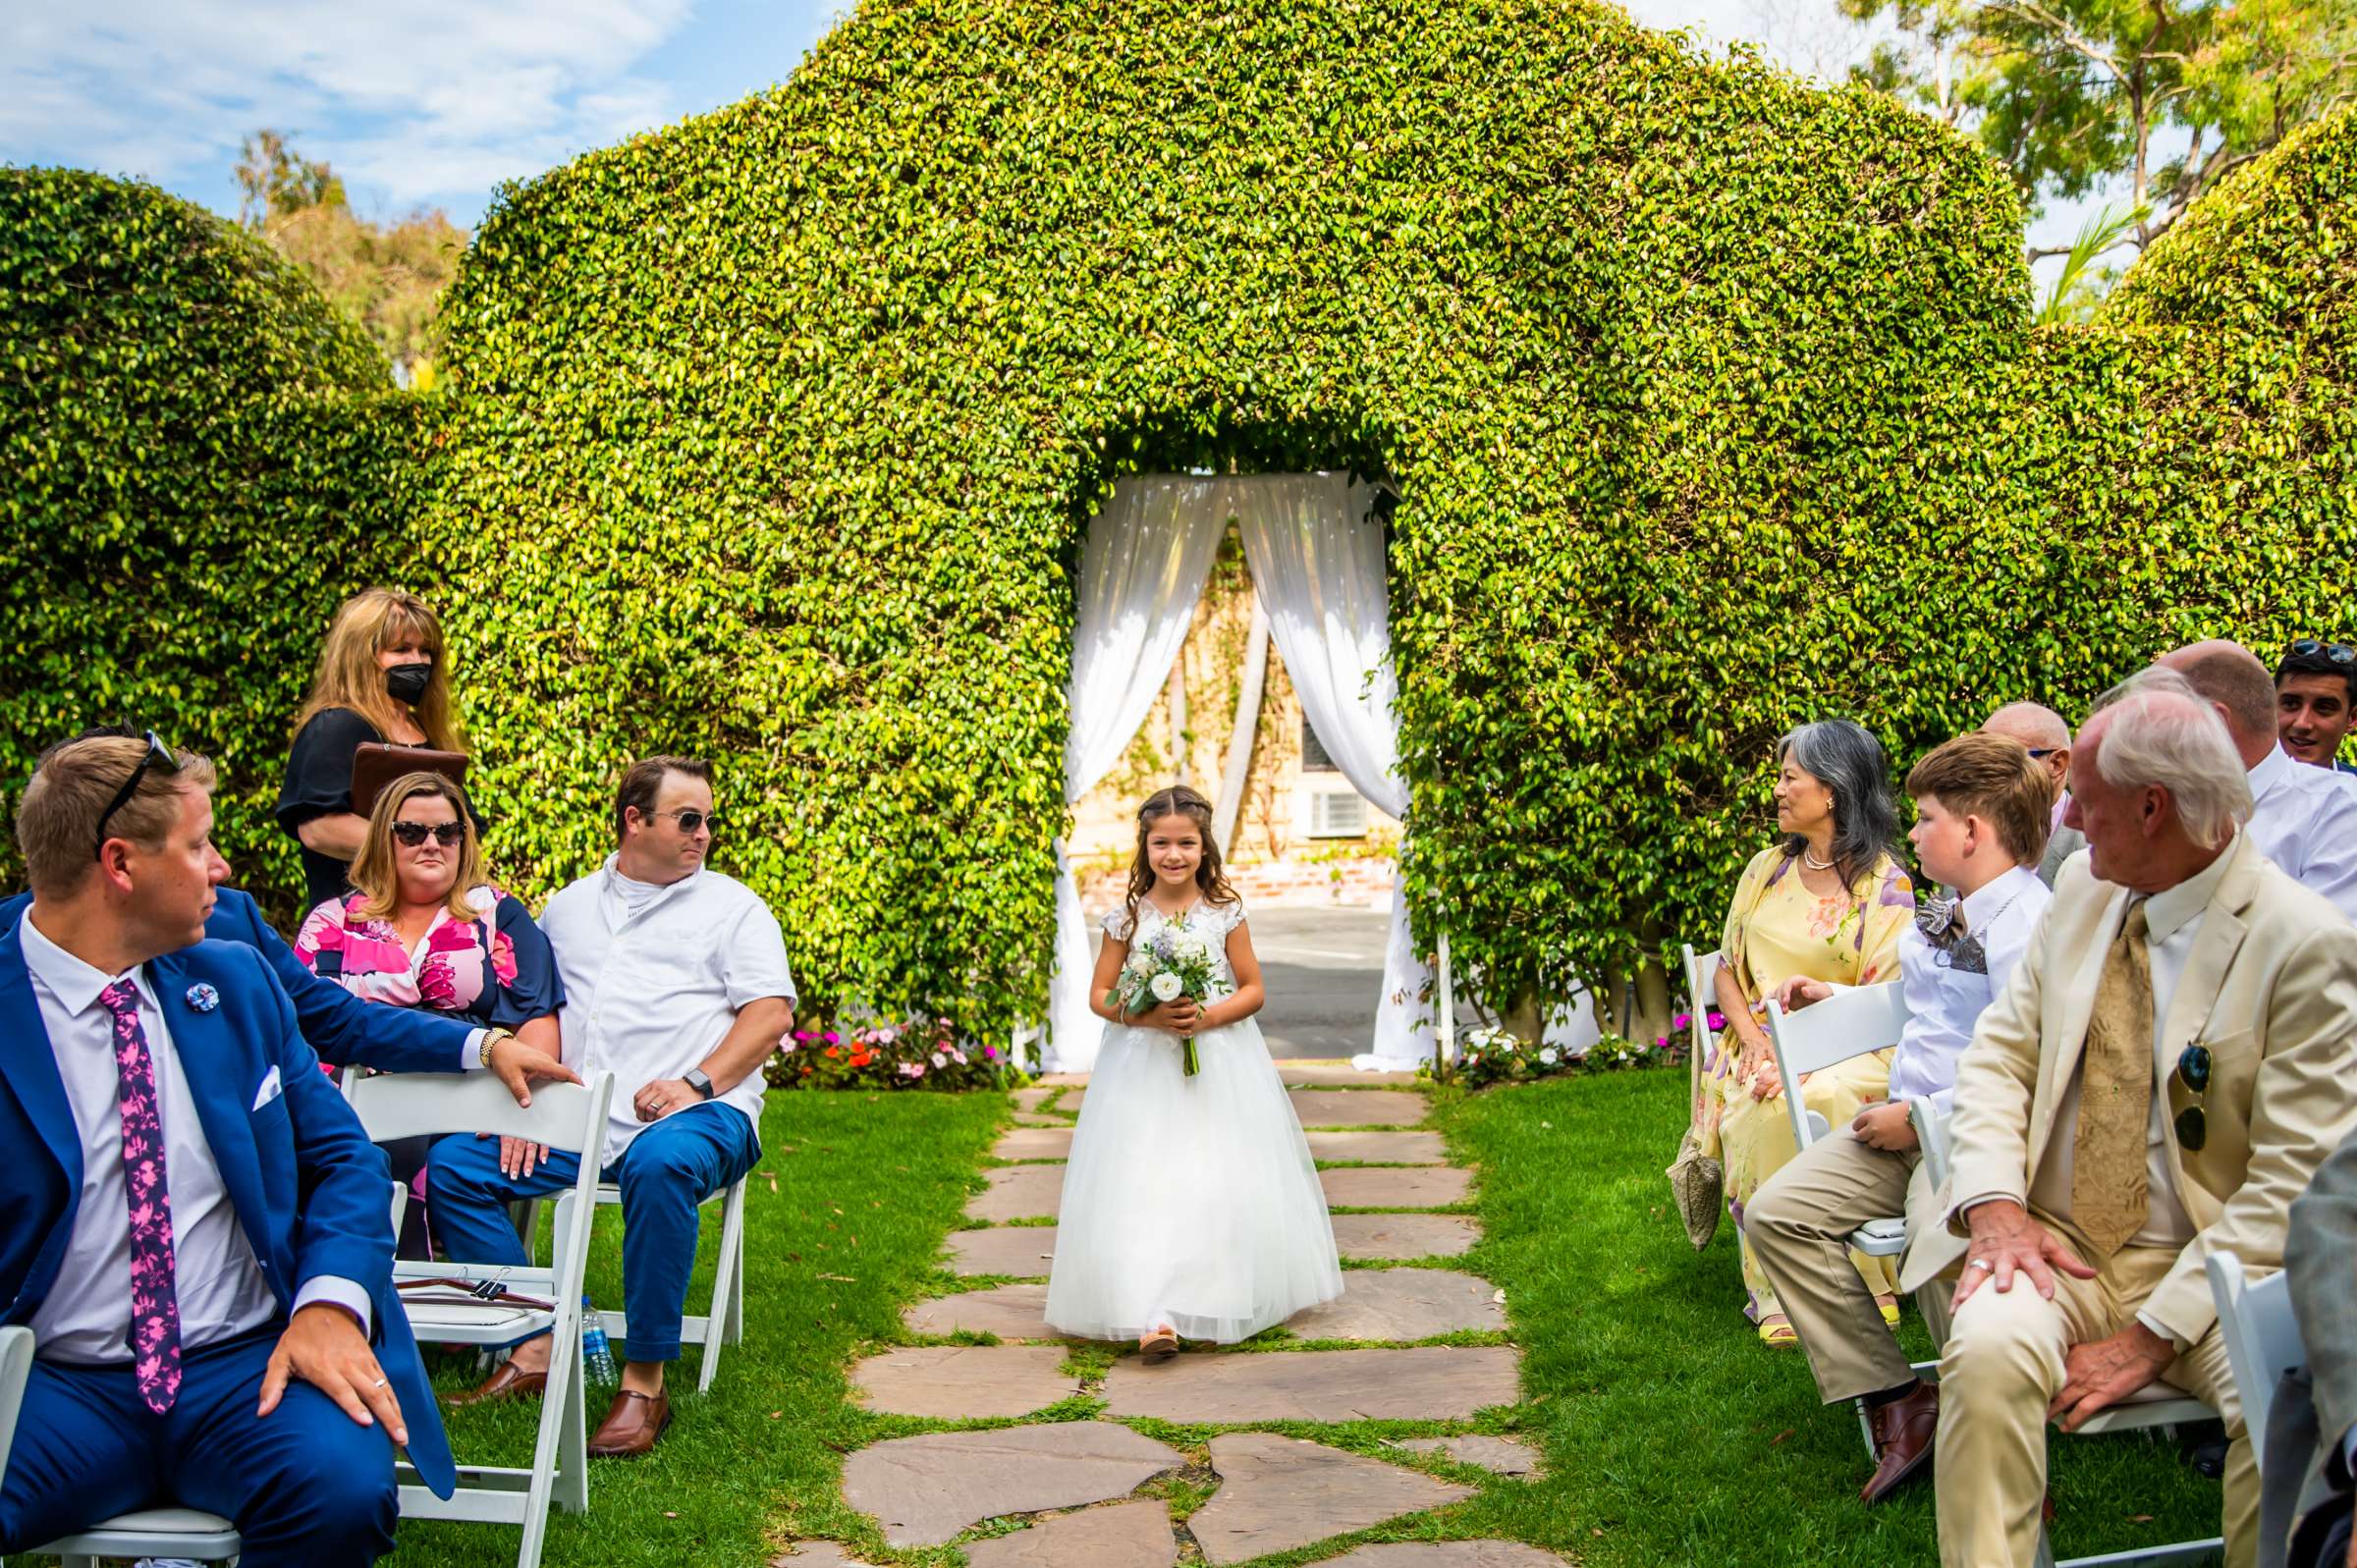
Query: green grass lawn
{"type": "Point", "coordinates": [1672, 1435]}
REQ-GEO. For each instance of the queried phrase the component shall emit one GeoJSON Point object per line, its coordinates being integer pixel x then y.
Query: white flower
{"type": "Point", "coordinates": [1165, 986]}
{"type": "Point", "coordinates": [1549, 1056]}
{"type": "Point", "coordinates": [1195, 949]}
{"type": "Point", "coordinates": [1139, 961]}
{"type": "Point", "coordinates": [940, 1061]}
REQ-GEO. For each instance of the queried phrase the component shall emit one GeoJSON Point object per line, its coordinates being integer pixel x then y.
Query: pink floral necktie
{"type": "Point", "coordinates": [154, 1304]}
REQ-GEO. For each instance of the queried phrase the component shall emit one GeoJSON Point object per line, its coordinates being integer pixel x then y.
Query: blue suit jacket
{"type": "Point", "coordinates": [311, 1191]}
{"type": "Point", "coordinates": [337, 1025]}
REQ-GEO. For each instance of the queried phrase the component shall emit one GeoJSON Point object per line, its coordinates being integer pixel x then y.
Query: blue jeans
{"type": "Point", "coordinates": [665, 1172]}
{"type": "Point", "coordinates": [306, 1485]}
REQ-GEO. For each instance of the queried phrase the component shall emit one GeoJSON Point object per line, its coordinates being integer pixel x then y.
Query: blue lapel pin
{"type": "Point", "coordinates": [204, 998]}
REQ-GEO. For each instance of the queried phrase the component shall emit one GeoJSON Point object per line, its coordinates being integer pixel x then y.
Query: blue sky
{"type": "Point", "coordinates": [434, 103]}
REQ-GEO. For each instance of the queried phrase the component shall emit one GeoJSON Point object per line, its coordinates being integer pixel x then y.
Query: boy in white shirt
{"type": "Point", "coordinates": [1983, 808]}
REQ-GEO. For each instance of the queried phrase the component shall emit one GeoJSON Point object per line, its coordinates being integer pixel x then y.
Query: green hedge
{"type": "Point", "coordinates": [200, 457]}
{"type": "Point", "coordinates": [1712, 399]}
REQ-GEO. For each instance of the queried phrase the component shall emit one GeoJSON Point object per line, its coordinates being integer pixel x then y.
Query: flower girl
{"type": "Point", "coordinates": [1190, 1204]}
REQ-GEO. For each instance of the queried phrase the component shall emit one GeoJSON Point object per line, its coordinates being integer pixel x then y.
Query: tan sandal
{"type": "Point", "coordinates": [1160, 1345]}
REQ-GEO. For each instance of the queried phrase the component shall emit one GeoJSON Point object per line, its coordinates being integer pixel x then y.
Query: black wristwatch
{"type": "Point", "coordinates": [695, 1079]}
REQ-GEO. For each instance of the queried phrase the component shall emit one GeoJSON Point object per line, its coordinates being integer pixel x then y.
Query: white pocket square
{"type": "Point", "coordinates": [270, 1089]}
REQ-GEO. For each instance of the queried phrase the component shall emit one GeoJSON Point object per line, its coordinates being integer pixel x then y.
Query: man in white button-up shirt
{"type": "Point", "coordinates": [2303, 818]}
{"type": "Point", "coordinates": [675, 982]}
{"type": "Point", "coordinates": [1981, 805]}
{"type": "Point", "coordinates": [2184, 1012]}
{"type": "Point", "coordinates": [195, 1330]}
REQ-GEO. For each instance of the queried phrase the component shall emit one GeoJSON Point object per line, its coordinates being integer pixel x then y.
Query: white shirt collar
{"type": "Point", "coordinates": [616, 881]}
{"type": "Point", "coordinates": [73, 983]}
{"type": "Point", "coordinates": [2168, 912]}
{"type": "Point", "coordinates": [1982, 905]}
{"type": "Point", "coordinates": [2271, 770]}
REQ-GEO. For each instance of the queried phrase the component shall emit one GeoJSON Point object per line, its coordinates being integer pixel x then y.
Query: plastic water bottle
{"type": "Point", "coordinates": [597, 1358]}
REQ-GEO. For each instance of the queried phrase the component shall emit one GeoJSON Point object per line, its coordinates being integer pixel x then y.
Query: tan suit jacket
{"type": "Point", "coordinates": [2270, 987]}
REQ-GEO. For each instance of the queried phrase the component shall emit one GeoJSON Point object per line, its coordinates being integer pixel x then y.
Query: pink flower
{"type": "Point", "coordinates": [833, 1038]}
{"type": "Point", "coordinates": [503, 958]}
{"type": "Point", "coordinates": [912, 1069]}
{"type": "Point", "coordinates": [435, 987]}
{"type": "Point", "coordinates": [1684, 1021]}
{"type": "Point", "coordinates": [957, 1055]}
{"type": "Point", "coordinates": [787, 1044]}
{"type": "Point", "coordinates": [451, 936]}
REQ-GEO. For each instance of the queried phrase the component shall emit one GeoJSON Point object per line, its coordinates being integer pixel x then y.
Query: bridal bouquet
{"type": "Point", "coordinates": [1171, 963]}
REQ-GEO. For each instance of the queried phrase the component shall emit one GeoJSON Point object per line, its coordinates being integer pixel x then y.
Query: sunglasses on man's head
{"type": "Point", "coordinates": [445, 833]}
{"type": "Point", "coordinates": [2340, 653]}
{"type": "Point", "coordinates": [159, 757]}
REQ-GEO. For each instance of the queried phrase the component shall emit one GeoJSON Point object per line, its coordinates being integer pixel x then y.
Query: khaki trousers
{"type": "Point", "coordinates": [2003, 1364]}
{"type": "Point", "coordinates": [1799, 1226]}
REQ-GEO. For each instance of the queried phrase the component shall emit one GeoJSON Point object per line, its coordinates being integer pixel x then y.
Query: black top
{"type": "Point", "coordinates": [318, 784]}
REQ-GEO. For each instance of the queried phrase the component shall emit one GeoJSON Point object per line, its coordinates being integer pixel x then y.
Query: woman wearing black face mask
{"type": "Point", "coordinates": [382, 678]}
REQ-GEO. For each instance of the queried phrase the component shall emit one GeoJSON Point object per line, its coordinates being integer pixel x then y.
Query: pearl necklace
{"type": "Point", "coordinates": [1813, 863]}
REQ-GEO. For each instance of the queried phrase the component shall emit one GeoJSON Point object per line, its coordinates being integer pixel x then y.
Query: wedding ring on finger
{"type": "Point", "coordinates": [379, 1384]}
{"type": "Point", "coordinates": [1980, 1262]}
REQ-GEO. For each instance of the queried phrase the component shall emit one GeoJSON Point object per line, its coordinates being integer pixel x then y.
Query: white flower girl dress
{"type": "Point", "coordinates": [1189, 1202]}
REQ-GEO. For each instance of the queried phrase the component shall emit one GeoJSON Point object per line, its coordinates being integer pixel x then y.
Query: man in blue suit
{"type": "Point", "coordinates": [196, 1226]}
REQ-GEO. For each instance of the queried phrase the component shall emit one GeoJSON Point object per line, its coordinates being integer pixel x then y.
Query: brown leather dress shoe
{"type": "Point", "coordinates": [505, 1382]}
{"type": "Point", "coordinates": [632, 1424]}
{"type": "Point", "coordinates": [1904, 1431]}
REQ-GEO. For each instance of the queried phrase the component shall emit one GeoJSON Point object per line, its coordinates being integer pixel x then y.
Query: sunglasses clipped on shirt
{"type": "Point", "coordinates": [160, 757]}
{"type": "Point", "coordinates": [2193, 1071]}
{"type": "Point", "coordinates": [445, 833]}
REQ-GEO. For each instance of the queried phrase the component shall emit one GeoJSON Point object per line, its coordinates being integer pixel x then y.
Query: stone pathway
{"type": "Point", "coordinates": [1071, 1481]}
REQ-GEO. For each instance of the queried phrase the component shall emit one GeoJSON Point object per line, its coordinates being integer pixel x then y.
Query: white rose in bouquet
{"type": "Point", "coordinates": [1165, 986]}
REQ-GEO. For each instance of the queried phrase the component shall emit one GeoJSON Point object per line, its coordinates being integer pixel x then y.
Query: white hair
{"type": "Point", "coordinates": [2160, 733]}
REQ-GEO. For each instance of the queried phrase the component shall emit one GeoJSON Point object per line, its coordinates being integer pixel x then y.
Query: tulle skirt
{"type": "Point", "coordinates": [1190, 1202]}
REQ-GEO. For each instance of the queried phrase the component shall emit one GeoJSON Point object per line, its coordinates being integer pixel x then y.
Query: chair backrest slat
{"type": "Point", "coordinates": [2262, 1334]}
{"type": "Point", "coordinates": [1847, 1023]}
{"type": "Point", "coordinates": [410, 1105]}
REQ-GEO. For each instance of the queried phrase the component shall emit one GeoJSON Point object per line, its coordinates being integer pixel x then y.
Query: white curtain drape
{"type": "Point", "coordinates": [1317, 557]}
{"type": "Point", "coordinates": [1142, 569]}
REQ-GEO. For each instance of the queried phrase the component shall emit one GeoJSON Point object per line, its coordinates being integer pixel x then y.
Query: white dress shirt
{"type": "Point", "coordinates": [653, 985]}
{"type": "Point", "coordinates": [1943, 1003]}
{"type": "Point", "coordinates": [2305, 820]}
{"type": "Point", "coordinates": [217, 1281]}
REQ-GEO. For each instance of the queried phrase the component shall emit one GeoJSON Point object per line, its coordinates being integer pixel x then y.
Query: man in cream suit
{"type": "Point", "coordinates": [2161, 1077]}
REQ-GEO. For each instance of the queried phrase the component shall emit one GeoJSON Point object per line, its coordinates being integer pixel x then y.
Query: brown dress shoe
{"type": "Point", "coordinates": [632, 1424]}
{"type": "Point", "coordinates": [1903, 1433]}
{"type": "Point", "coordinates": [505, 1382]}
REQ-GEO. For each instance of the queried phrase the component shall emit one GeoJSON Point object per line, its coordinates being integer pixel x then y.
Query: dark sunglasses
{"type": "Point", "coordinates": [2340, 653]}
{"type": "Point", "coordinates": [2037, 752]}
{"type": "Point", "coordinates": [2193, 1071]}
{"type": "Point", "coordinates": [446, 833]}
{"type": "Point", "coordinates": [159, 757]}
{"type": "Point", "coordinates": [692, 819]}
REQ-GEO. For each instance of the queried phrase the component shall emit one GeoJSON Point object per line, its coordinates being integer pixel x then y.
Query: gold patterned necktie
{"type": "Point", "coordinates": [2109, 1199]}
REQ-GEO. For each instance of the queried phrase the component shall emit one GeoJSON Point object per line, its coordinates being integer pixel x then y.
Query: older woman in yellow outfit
{"type": "Point", "coordinates": [1828, 901]}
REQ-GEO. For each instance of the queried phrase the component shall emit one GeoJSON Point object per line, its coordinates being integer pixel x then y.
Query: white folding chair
{"type": "Point", "coordinates": [724, 1324]}
{"type": "Point", "coordinates": [2262, 1338]}
{"type": "Point", "coordinates": [2157, 1406]}
{"type": "Point", "coordinates": [1702, 994]}
{"type": "Point", "coordinates": [1848, 1023]}
{"type": "Point", "coordinates": [567, 1116]}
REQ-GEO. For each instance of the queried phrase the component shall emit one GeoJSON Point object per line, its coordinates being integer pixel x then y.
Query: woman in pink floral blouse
{"type": "Point", "coordinates": [422, 928]}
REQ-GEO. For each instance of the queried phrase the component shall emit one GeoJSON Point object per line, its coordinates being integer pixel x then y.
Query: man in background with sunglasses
{"type": "Point", "coordinates": [675, 982]}
{"type": "Point", "coordinates": [2163, 1077]}
{"type": "Point", "coordinates": [2315, 696]}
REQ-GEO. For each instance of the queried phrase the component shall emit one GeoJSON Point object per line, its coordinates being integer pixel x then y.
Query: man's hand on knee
{"type": "Point", "coordinates": [324, 1346]}
{"type": "Point", "coordinates": [2102, 1372]}
{"type": "Point", "coordinates": [2007, 1241]}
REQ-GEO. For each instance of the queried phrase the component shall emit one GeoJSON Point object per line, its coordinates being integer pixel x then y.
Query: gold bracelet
{"type": "Point", "coordinates": [492, 1037]}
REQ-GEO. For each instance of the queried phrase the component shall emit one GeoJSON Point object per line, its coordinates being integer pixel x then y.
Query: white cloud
{"type": "Point", "coordinates": [432, 100]}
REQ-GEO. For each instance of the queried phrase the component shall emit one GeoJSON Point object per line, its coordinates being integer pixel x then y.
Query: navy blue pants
{"type": "Point", "coordinates": [306, 1485]}
{"type": "Point", "coordinates": [665, 1172]}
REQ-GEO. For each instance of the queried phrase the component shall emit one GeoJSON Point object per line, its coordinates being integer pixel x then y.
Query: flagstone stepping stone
{"type": "Point", "coordinates": [1447, 1554]}
{"type": "Point", "coordinates": [1129, 1534]}
{"type": "Point", "coordinates": [1396, 1186]}
{"type": "Point", "coordinates": [963, 1383]}
{"type": "Point", "coordinates": [1399, 1304]}
{"type": "Point", "coordinates": [1070, 1105]}
{"type": "Point", "coordinates": [1034, 1143]}
{"type": "Point", "coordinates": [1012, 1311]}
{"type": "Point", "coordinates": [1033, 1098]}
{"type": "Point", "coordinates": [1277, 1494]}
{"type": "Point", "coordinates": [1439, 1382]}
{"type": "Point", "coordinates": [1502, 1454]}
{"type": "Point", "coordinates": [1019, 1192]}
{"type": "Point", "coordinates": [1357, 1108]}
{"type": "Point", "coordinates": [1392, 1237]}
{"type": "Point", "coordinates": [1339, 1075]}
{"type": "Point", "coordinates": [1022, 1250]}
{"type": "Point", "coordinates": [1380, 1148]}
{"type": "Point", "coordinates": [923, 1491]}
{"type": "Point", "coordinates": [1063, 1080]}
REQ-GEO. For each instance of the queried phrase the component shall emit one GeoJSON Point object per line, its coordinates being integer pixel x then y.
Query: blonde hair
{"type": "Point", "coordinates": [349, 676]}
{"type": "Point", "coordinates": [57, 818]}
{"type": "Point", "coordinates": [374, 871]}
